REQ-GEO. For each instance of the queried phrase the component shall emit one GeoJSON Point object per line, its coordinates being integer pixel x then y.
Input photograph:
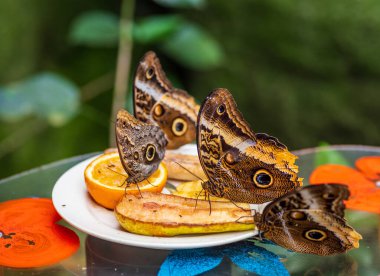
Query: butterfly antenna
{"type": "Point", "coordinates": [117, 172]}
{"type": "Point", "coordinates": [241, 208]}
{"type": "Point", "coordinates": [125, 180]}
{"type": "Point", "coordinates": [188, 171]}
{"type": "Point", "coordinates": [150, 183]}
{"type": "Point", "coordinates": [242, 222]}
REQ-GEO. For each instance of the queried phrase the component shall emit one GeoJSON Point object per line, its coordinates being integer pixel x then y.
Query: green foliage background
{"type": "Point", "coordinates": [303, 71]}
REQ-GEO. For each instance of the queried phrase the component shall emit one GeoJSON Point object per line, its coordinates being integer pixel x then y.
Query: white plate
{"type": "Point", "coordinates": [74, 204]}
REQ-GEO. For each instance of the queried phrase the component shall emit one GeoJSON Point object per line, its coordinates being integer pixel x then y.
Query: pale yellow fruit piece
{"type": "Point", "coordinates": [193, 189]}
{"type": "Point", "coordinates": [170, 215]}
{"type": "Point", "coordinates": [183, 167]}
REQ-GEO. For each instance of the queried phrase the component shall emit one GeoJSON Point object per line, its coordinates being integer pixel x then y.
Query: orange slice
{"type": "Point", "coordinates": [106, 180]}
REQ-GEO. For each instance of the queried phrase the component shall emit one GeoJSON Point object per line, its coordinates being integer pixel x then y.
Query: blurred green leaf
{"type": "Point", "coordinates": [155, 28]}
{"type": "Point", "coordinates": [182, 3]}
{"type": "Point", "coordinates": [46, 95]}
{"type": "Point", "coordinates": [13, 105]}
{"type": "Point", "coordinates": [55, 98]}
{"type": "Point", "coordinates": [193, 47]}
{"type": "Point", "coordinates": [95, 28]}
{"type": "Point", "coordinates": [326, 155]}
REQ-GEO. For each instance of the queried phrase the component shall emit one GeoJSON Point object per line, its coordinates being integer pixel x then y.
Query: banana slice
{"type": "Point", "coordinates": [156, 214]}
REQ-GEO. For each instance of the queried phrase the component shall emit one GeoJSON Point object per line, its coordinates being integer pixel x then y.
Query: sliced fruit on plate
{"type": "Point", "coordinates": [193, 189]}
{"type": "Point", "coordinates": [156, 214]}
{"type": "Point", "coordinates": [184, 166]}
{"type": "Point", "coordinates": [105, 180]}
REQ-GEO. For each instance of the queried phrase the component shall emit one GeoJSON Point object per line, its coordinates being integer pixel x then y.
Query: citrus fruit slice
{"type": "Point", "coordinates": [106, 180]}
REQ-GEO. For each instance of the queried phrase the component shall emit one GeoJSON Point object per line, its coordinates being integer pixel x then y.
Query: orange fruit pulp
{"type": "Point", "coordinates": [105, 179]}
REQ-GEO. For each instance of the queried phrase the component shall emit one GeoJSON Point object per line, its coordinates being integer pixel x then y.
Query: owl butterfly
{"type": "Point", "coordinates": [157, 101]}
{"type": "Point", "coordinates": [310, 220]}
{"type": "Point", "coordinates": [141, 146]}
{"type": "Point", "coordinates": [240, 165]}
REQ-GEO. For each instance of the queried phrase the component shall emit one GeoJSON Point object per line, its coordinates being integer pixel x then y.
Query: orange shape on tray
{"type": "Point", "coordinates": [369, 166]}
{"type": "Point", "coordinates": [29, 235]}
{"type": "Point", "coordinates": [363, 182]}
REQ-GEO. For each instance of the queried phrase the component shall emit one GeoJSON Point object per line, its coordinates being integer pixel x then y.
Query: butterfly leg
{"type": "Point", "coordinates": [209, 202]}
{"type": "Point", "coordinates": [196, 200]}
{"type": "Point", "coordinates": [127, 185]}
{"type": "Point", "coordinates": [138, 188]}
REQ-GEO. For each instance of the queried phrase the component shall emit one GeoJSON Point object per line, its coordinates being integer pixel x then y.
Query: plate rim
{"type": "Point", "coordinates": [164, 243]}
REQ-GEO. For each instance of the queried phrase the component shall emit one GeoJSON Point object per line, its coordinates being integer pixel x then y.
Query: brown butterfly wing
{"type": "Point", "coordinates": [156, 101]}
{"type": "Point", "coordinates": [326, 197]}
{"type": "Point", "coordinates": [232, 155]}
{"type": "Point", "coordinates": [319, 232]}
{"type": "Point", "coordinates": [141, 146]}
{"type": "Point", "coordinates": [177, 117]}
{"type": "Point", "coordinates": [310, 220]}
{"type": "Point", "coordinates": [150, 85]}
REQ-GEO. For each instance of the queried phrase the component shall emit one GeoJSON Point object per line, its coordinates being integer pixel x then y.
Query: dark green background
{"type": "Point", "coordinates": [303, 71]}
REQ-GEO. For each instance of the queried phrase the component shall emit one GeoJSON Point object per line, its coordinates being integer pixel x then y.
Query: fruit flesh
{"type": "Point", "coordinates": [169, 215]}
